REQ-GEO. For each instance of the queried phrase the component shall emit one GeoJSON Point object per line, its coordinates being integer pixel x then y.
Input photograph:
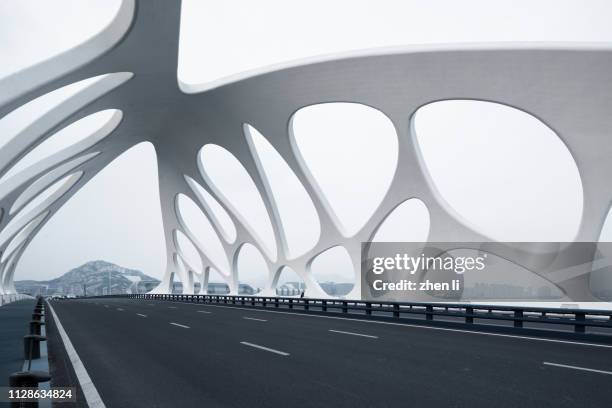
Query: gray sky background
{"type": "Point", "coordinates": [116, 216]}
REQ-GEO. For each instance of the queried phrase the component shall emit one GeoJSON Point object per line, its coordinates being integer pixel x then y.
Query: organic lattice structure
{"type": "Point", "coordinates": [133, 63]}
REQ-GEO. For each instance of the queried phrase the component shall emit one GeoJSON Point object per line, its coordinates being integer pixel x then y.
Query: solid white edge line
{"type": "Point", "coordinates": [203, 311]}
{"type": "Point", "coordinates": [592, 370]}
{"type": "Point", "coordinates": [512, 336]}
{"type": "Point", "coordinates": [119, 309]}
{"type": "Point", "coordinates": [257, 346]}
{"type": "Point", "coordinates": [353, 334]}
{"type": "Point", "coordinates": [253, 318]}
{"type": "Point", "coordinates": [180, 325]}
{"type": "Point", "coordinates": [141, 315]}
{"type": "Point", "coordinates": [92, 397]}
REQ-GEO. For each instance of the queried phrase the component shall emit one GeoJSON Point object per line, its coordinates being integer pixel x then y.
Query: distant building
{"type": "Point", "coordinates": [215, 288]}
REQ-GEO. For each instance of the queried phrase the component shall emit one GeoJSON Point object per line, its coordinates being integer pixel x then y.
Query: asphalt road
{"type": "Point", "coordinates": [142, 353]}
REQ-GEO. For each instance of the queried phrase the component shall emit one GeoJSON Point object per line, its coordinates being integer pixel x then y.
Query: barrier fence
{"type": "Point", "coordinates": [581, 322]}
{"type": "Point", "coordinates": [32, 374]}
{"type": "Point", "coordinates": [6, 299]}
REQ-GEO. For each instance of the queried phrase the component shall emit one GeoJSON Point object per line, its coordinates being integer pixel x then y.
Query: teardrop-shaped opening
{"type": "Point", "coordinates": [25, 127]}
{"type": "Point", "coordinates": [501, 170]}
{"type": "Point", "coordinates": [38, 204]}
{"type": "Point", "coordinates": [201, 232]}
{"type": "Point", "coordinates": [503, 280]}
{"type": "Point", "coordinates": [252, 270]}
{"type": "Point", "coordinates": [21, 118]}
{"type": "Point", "coordinates": [408, 222]}
{"type": "Point", "coordinates": [298, 217]}
{"type": "Point", "coordinates": [289, 283]}
{"type": "Point", "coordinates": [45, 180]}
{"type": "Point", "coordinates": [188, 251]}
{"type": "Point", "coordinates": [234, 186]}
{"type": "Point", "coordinates": [67, 142]}
{"type": "Point", "coordinates": [349, 152]}
{"type": "Point", "coordinates": [220, 217]}
{"type": "Point", "coordinates": [185, 275]}
{"type": "Point", "coordinates": [333, 270]}
{"type": "Point", "coordinates": [22, 236]}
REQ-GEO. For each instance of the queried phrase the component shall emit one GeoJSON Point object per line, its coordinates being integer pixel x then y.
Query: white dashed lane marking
{"type": "Point", "coordinates": [257, 346]}
{"type": "Point", "coordinates": [252, 318]}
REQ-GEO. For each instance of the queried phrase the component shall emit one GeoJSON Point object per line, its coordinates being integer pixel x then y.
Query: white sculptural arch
{"type": "Point", "coordinates": [569, 89]}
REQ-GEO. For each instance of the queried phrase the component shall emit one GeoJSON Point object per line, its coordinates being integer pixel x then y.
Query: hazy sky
{"type": "Point", "coordinates": [116, 216]}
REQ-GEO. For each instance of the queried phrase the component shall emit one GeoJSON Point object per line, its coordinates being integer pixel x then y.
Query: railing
{"type": "Point", "coordinates": [6, 299]}
{"type": "Point", "coordinates": [576, 321]}
{"type": "Point", "coordinates": [31, 376]}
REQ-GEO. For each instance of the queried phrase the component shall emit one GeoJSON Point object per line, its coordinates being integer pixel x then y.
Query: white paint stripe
{"type": "Point", "coordinates": [87, 386]}
{"type": "Point", "coordinates": [106, 306]}
{"type": "Point", "coordinates": [592, 370]}
{"type": "Point", "coordinates": [120, 309]}
{"type": "Point", "coordinates": [353, 334]}
{"type": "Point", "coordinates": [180, 325]}
{"type": "Point", "coordinates": [204, 311]}
{"type": "Point", "coordinates": [252, 318]}
{"type": "Point", "coordinates": [141, 315]}
{"type": "Point", "coordinates": [172, 307]}
{"type": "Point", "coordinates": [416, 326]}
{"type": "Point", "coordinates": [282, 353]}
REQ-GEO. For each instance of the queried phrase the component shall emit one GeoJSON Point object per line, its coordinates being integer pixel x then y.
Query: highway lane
{"type": "Point", "coordinates": [142, 353]}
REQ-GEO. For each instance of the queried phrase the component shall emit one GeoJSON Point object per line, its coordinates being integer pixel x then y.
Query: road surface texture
{"type": "Point", "coordinates": [14, 324]}
{"type": "Point", "coordinates": [142, 353]}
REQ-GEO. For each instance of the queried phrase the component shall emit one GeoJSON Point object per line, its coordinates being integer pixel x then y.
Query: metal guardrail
{"type": "Point", "coordinates": [30, 377]}
{"type": "Point", "coordinates": [6, 299]}
{"type": "Point", "coordinates": [469, 314]}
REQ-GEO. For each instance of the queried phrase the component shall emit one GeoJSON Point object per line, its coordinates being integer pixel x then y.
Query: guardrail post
{"type": "Point", "coordinates": [368, 308]}
{"type": "Point", "coordinates": [35, 326]}
{"type": "Point", "coordinates": [31, 346]}
{"type": "Point", "coordinates": [469, 315]}
{"type": "Point", "coordinates": [290, 303]}
{"type": "Point", "coordinates": [306, 304]}
{"type": "Point", "coordinates": [518, 318]}
{"type": "Point", "coordinates": [344, 306]}
{"type": "Point", "coordinates": [263, 302]}
{"type": "Point", "coordinates": [276, 302]}
{"type": "Point", "coordinates": [579, 327]}
{"type": "Point", "coordinates": [29, 379]}
{"type": "Point", "coordinates": [396, 310]}
{"type": "Point", "coordinates": [428, 312]}
{"type": "Point", "coordinates": [324, 305]}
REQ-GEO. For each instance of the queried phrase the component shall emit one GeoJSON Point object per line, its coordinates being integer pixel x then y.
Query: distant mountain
{"type": "Point", "coordinates": [92, 278]}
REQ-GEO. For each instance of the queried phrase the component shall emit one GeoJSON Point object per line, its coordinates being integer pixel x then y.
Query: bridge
{"type": "Point", "coordinates": [164, 349]}
{"type": "Point", "coordinates": [171, 350]}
